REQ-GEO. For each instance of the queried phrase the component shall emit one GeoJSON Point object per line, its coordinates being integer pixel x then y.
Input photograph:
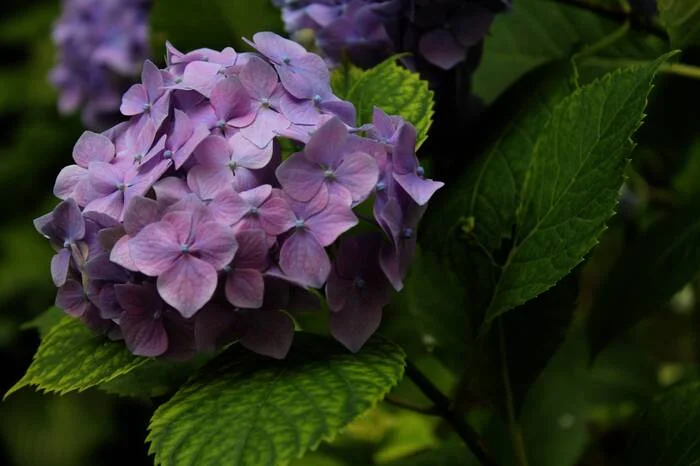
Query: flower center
{"type": "Point", "coordinates": [221, 124]}
{"type": "Point", "coordinates": [265, 103]}
{"type": "Point", "coordinates": [178, 80]}
{"type": "Point", "coordinates": [380, 187]}
{"type": "Point", "coordinates": [329, 174]}
{"type": "Point", "coordinates": [138, 158]}
{"type": "Point", "coordinates": [168, 154]}
{"type": "Point", "coordinates": [232, 164]}
{"type": "Point", "coordinates": [359, 283]}
{"type": "Point", "coordinates": [286, 60]}
{"type": "Point", "coordinates": [407, 233]}
{"type": "Point", "coordinates": [121, 187]}
{"type": "Point", "coordinates": [185, 248]}
{"type": "Point", "coordinates": [420, 171]}
{"type": "Point", "coordinates": [66, 243]}
{"type": "Point", "coordinates": [299, 224]}
{"type": "Point", "coordinates": [147, 107]}
{"type": "Point", "coordinates": [253, 211]}
{"type": "Point", "coordinates": [158, 314]}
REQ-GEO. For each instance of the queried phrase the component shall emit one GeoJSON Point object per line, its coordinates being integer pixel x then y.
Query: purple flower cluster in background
{"type": "Point", "coordinates": [182, 228]}
{"type": "Point", "coordinates": [101, 45]}
{"type": "Point", "coordinates": [438, 32]}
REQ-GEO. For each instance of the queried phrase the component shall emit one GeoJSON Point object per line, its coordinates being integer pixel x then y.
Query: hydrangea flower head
{"type": "Point", "coordinates": [101, 46]}
{"type": "Point", "coordinates": [439, 33]}
{"type": "Point", "coordinates": [183, 228]}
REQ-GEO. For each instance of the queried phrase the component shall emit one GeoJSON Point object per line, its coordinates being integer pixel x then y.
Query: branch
{"type": "Point", "coordinates": [637, 22]}
{"type": "Point", "coordinates": [443, 406]}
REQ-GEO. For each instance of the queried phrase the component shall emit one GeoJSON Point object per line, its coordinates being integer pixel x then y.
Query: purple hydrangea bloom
{"type": "Point", "coordinates": [102, 44]}
{"type": "Point", "coordinates": [439, 33]}
{"type": "Point", "coordinates": [182, 229]}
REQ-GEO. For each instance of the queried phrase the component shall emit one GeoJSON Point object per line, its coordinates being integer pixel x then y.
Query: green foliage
{"type": "Point", "coordinates": [452, 453]}
{"type": "Point", "coordinates": [682, 21]}
{"type": "Point", "coordinates": [153, 378]}
{"type": "Point", "coordinates": [216, 24]}
{"type": "Point", "coordinates": [649, 272]}
{"type": "Point", "coordinates": [390, 87]}
{"type": "Point", "coordinates": [45, 321]}
{"type": "Point", "coordinates": [541, 31]}
{"type": "Point", "coordinates": [667, 432]}
{"type": "Point", "coordinates": [244, 409]}
{"type": "Point", "coordinates": [72, 357]}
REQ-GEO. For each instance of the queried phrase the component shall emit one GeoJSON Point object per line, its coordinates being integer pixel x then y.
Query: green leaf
{"type": "Point", "coordinates": [395, 90]}
{"type": "Point", "coordinates": [244, 409]}
{"type": "Point", "coordinates": [572, 183]}
{"type": "Point", "coordinates": [540, 31]}
{"type": "Point", "coordinates": [343, 79]}
{"type": "Point", "coordinates": [667, 433]}
{"type": "Point", "coordinates": [72, 357]}
{"type": "Point", "coordinates": [154, 378]}
{"type": "Point", "coordinates": [682, 21]}
{"type": "Point", "coordinates": [452, 453]}
{"type": "Point", "coordinates": [646, 276]}
{"type": "Point", "coordinates": [45, 321]}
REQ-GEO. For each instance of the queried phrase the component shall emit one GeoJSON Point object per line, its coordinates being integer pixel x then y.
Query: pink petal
{"type": "Point", "coordinates": [213, 152]}
{"type": "Point", "coordinates": [111, 205]}
{"type": "Point", "coordinates": [355, 324]}
{"type": "Point", "coordinates": [183, 153]}
{"type": "Point", "coordinates": [207, 182]}
{"type": "Point", "coordinates": [266, 126]}
{"type": "Point", "coordinates": [92, 147]}
{"type": "Point", "coordinates": [276, 216]}
{"type": "Point", "coordinates": [442, 49]}
{"type": "Point", "coordinates": [252, 250]}
{"type": "Point", "coordinates": [305, 260]}
{"type": "Point", "coordinates": [170, 190]}
{"type": "Point", "coordinates": [187, 285]}
{"type": "Point", "coordinates": [301, 112]}
{"type": "Point", "coordinates": [155, 249]}
{"type": "Point", "coordinates": [359, 173]}
{"type": "Point", "coordinates": [217, 325]}
{"type": "Point", "coordinates": [259, 78]}
{"type": "Point", "coordinates": [134, 100]}
{"type": "Point", "coordinates": [144, 335]}
{"type": "Point", "coordinates": [334, 220]}
{"type": "Point", "coordinates": [337, 290]}
{"type": "Point", "coordinates": [60, 263]}
{"type": "Point", "coordinates": [228, 207]}
{"type": "Point", "coordinates": [276, 47]}
{"type": "Point", "coordinates": [307, 77]}
{"type": "Point", "coordinates": [214, 243]}
{"type": "Point", "coordinates": [104, 177]}
{"type": "Point", "coordinates": [202, 76]}
{"type": "Point", "coordinates": [248, 155]}
{"type": "Point", "coordinates": [121, 254]}
{"type": "Point", "coordinates": [142, 211]}
{"type": "Point", "coordinates": [256, 196]}
{"type": "Point", "coordinates": [71, 298]}
{"type": "Point", "coordinates": [269, 333]}
{"type": "Point", "coordinates": [299, 177]}
{"type": "Point", "coordinates": [327, 144]}
{"type": "Point", "coordinates": [67, 181]}
{"type": "Point", "coordinates": [231, 102]}
{"type": "Point", "coordinates": [245, 288]}
{"type": "Point", "coordinates": [152, 80]}
{"type": "Point", "coordinates": [404, 158]}
{"type": "Point", "coordinates": [419, 189]}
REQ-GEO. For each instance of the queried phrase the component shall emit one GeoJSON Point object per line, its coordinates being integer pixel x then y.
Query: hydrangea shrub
{"type": "Point", "coordinates": [101, 46]}
{"type": "Point", "coordinates": [174, 223]}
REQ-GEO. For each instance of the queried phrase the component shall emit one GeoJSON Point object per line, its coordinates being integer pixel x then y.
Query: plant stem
{"type": "Point", "coordinates": [427, 411]}
{"type": "Point", "coordinates": [620, 16]}
{"type": "Point", "coordinates": [443, 406]}
{"type": "Point", "coordinates": [516, 434]}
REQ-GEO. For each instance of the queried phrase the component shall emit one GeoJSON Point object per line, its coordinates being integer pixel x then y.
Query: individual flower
{"type": "Point", "coordinates": [330, 161]}
{"type": "Point", "coordinates": [357, 290]}
{"type": "Point", "coordinates": [185, 251]}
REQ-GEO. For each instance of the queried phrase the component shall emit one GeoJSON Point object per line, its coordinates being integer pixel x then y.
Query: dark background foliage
{"type": "Point", "coordinates": [572, 410]}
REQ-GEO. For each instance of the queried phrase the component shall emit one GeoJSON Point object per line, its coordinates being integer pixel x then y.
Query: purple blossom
{"type": "Point", "coordinates": [329, 161]}
{"type": "Point", "coordinates": [101, 45]}
{"type": "Point", "coordinates": [357, 289]}
{"type": "Point", "coordinates": [181, 229]}
{"type": "Point", "coordinates": [315, 225]}
{"type": "Point", "coordinates": [185, 252]}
